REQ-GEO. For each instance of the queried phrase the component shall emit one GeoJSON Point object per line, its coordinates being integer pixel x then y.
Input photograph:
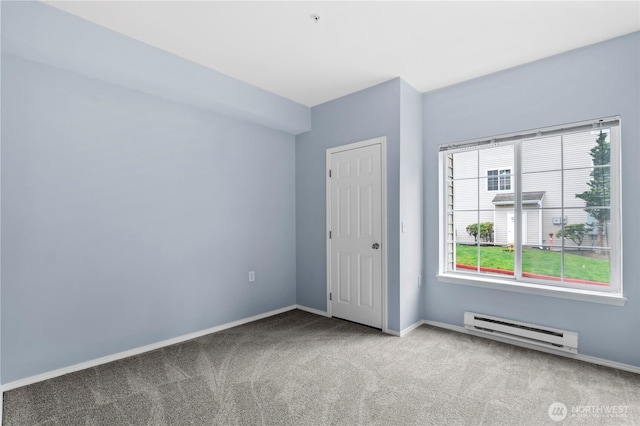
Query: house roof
{"type": "Point", "coordinates": [527, 198]}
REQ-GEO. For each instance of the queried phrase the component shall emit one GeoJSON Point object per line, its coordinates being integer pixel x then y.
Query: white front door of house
{"type": "Point", "coordinates": [355, 226]}
{"type": "Point", "coordinates": [511, 228]}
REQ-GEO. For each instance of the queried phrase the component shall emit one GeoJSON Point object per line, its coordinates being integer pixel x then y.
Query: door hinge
{"type": "Point", "coordinates": [330, 296]}
{"type": "Point", "coordinates": [329, 172]}
{"type": "Point", "coordinates": [329, 234]}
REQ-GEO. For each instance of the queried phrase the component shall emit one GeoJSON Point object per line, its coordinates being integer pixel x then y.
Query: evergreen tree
{"type": "Point", "coordinates": [598, 197]}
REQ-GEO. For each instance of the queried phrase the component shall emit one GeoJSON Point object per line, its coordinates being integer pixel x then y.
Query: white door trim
{"type": "Point", "coordinates": [382, 141]}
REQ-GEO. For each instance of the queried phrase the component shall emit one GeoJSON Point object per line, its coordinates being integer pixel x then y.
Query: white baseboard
{"type": "Point", "coordinates": [607, 363]}
{"type": "Point", "coordinates": [580, 357]}
{"type": "Point", "coordinates": [312, 310]}
{"type": "Point", "coordinates": [411, 328]}
{"type": "Point", "coordinates": [446, 326]}
{"type": "Point", "coordinates": [136, 351]}
{"type": "Point", "coordinates": [406, 330]}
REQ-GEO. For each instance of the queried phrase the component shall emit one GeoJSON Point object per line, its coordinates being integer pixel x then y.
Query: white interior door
{"type": "Point", "coordinates": [355, 252]}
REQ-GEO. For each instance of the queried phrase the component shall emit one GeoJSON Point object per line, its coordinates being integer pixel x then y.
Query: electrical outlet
{"type": "Point", "coordinates": [252, 276]}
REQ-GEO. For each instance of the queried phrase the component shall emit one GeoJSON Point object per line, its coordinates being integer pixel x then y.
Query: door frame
{"type": "Point", "coordinates": [382, 141]}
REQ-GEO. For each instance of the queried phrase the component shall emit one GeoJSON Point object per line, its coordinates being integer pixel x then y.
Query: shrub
{"type": "Point", "coordinates": [575, 232]}
{"type": "Point", "coordinates": [484, 230]}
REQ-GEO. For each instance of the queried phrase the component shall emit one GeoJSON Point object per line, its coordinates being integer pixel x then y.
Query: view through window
{"type": "Point", "coordinates": [539, 207]}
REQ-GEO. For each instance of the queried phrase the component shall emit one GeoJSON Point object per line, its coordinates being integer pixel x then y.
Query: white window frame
{"type": "Point", "coordinates": [517, 283]}
{"type": "Point", "coordinates": [501, 178]}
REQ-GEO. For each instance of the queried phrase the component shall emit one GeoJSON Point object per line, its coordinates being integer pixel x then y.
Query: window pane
{"type": "Point", "coordinates": [552, 221]}
{"type": "Point", "coordinates": [498, 180]}
{"type": "Point", "coordinates": [467, 232]}
{"type": "Point", "coordinates": [543, 189]}
{"type": "Point", "coordinates": [533, 230]}
{"type": "Point", "coordinates": [465, 194]}
{"type": "Point", "coordinates": [541, 154]}
{"type": "Point", "coordinates": [466, 258]}
{"type": "Point", "coordinates": [465, 164]}
{"type": "Point", "coordinates": [494, 260]}
{"type": "Point", "coordinates": [542, 247]}
{"type": "Point", "coordinates": [576, 227]}
{"type": "Point", "coordinates": [493, 182]}
{"type": "Point", "coordinates": [598, 225]}
{"type": "Point", "coordinates": [466, 227]}
{"type": "Point", "coordinates": [577, 149]}
{"type": "Point", "coordinates": [542, 263]}
{"type": "Point", "coordinates": [577, 236]}
{"type": "Point", "coordinates": [587, 187]}
{"type": "Point", "coordinates": [587, 267]}
{"type": "Point", "coordinates": [505, 180]}
{"type": "Point", "coordinates": [496, 158]}
{"type": "Point", "coordinates": [497, 260]}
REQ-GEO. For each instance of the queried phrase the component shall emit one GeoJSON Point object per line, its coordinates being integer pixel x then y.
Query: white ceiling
{"type": "Point", "coordinates": [431, 44]}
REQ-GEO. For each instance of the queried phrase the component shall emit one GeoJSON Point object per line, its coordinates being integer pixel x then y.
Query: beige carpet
{"type": "Point", "coordinates": [302, 369]}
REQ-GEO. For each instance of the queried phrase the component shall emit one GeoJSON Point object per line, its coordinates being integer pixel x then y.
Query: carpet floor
{"type": "Point", "coordinates": [298, 368]}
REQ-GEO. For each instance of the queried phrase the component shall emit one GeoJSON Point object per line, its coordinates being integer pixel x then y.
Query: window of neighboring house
{"type": "Point", "coordinates": [554, 226]}
{"type": "Point", "coordinates": [499, 180]}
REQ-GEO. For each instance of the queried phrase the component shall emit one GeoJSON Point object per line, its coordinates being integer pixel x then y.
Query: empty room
{"type": "Point", "coordinates": [319, 213]}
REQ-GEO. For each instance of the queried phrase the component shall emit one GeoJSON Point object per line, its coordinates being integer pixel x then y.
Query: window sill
{"type": "Point", "coordinates": [540, 290]}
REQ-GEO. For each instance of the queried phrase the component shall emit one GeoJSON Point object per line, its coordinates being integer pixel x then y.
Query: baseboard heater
{"type": "Point", "coordinates": [514, 331]}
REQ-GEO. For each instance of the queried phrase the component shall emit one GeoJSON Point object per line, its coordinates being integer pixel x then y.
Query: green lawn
{"type": "Point", "coordinates": [543, 262]}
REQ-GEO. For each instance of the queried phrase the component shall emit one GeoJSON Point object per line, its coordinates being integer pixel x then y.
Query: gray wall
{"type": "Point", "coordinates": [411, 203]}
{"type": "Point", "coordinates": [367, 114]}
{"type": "Point", "coordinates": [595, 81]}
{"type": "Point", "coordinates": [128, 219]}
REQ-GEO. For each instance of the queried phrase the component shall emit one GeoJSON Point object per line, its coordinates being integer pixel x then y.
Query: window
{"type": "Point", "coordinates": [499, 180]}
{"type": "Point", "coordinates": [550, 217]}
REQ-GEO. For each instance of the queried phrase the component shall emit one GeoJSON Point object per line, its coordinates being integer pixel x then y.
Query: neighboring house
{"type": "Point", "coordinates": [484, 181]}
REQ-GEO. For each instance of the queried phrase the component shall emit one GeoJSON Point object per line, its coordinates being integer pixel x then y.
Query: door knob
{"type": "Point", "coordinates": [375, 246]}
